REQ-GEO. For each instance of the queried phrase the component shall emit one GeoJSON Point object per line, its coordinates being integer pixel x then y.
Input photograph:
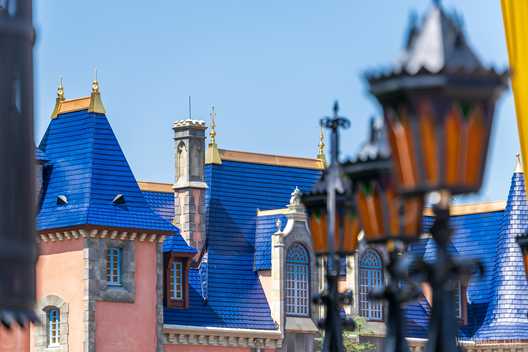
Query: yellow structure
{"type": "Point", "coordinates": [515, 15]}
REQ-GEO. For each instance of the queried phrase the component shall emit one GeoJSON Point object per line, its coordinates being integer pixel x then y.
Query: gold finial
{"type": "Point", "coordinates": [60, 90]}
{"type": "Point", "coordinates": [320, 150]}
{"type": "Point", "coordinates": [212, 134]}
{"type": "Point", "coordinates": [96, 104]}
{"type": "Point", "coordinates": [213, 154]}
{"type": "Point", "coordinates": [58, 100]}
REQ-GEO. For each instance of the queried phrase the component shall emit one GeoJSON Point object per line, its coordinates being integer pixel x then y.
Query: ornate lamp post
{"type": "Point", "coordinates": [334, 228]}
{"type": "Point", "coordinates": [388, 219]}
{"type": "Point", "coordinates": [438, 111]}
{"type": "Point", "coordinates": [17, 200]}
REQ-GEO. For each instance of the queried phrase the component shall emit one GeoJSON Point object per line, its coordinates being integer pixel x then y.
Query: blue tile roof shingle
{"type": "Point", "coordinates": [497, 301]}
{"type": "Point", "coordinates": [265, 228]}
{"type": "Point", "coordinates": [506, 317]}
{"type": "Point", "coordinates": [87, 165]}
{"type": "Point", "coordinates": [235, 191]}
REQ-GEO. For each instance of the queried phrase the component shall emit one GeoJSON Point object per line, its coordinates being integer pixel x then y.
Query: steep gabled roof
{"type": "Point", "coordinates": [88, 169]}
{"type": "Point", "coordinates": [506, 317]}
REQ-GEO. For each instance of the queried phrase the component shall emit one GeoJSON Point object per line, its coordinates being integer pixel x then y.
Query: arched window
{"type": "Point", "coordinates": [370, 277]}
{"type": "Point", "coordinates": [53, 326]}
{"type": "Point", "coordinates": [297, 281]}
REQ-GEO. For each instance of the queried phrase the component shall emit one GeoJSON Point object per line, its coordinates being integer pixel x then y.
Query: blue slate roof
{"type": "Point", "coordinates": [506, 317]}
{"type": "Point", "coordinates": [265, 228]}
{"type": "Point", "coordinates": [87, 165]}
{"type": "Point", "coordinates": [40, 156]}
{"type": "Point", "coordinates": [498, 301]}
{"type": "Point", "coordinates": [235, 191]}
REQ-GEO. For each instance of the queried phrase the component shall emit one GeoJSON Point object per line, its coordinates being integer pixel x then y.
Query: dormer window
{"type": "Point", "coordinates": [113, 266]}
{"type": "Point", "coordinates": [119, 199]}
{"type": "Point", "coordinates": [62, 199]}
{"type": "Point", "coordinates": [176, 281]}
{"type": "Point", "coordinates": [461, 302]}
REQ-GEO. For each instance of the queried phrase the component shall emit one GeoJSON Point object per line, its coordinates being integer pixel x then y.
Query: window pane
{"type": "Point", "coordinates": [370, 277]}
{"type": "Point", "coordinates": [176, 281]}
{"type": "Point", "coordinates": [113, 266]}
{"type": "Point", "coordinates": [53, 327]}
{"type": "Point", "coordinates": [297, 281]}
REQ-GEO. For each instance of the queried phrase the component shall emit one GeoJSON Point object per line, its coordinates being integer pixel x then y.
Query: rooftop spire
{"type": "Point", "coordinates": [518, 164]}
{"type": "Point", "coordinates": [58, 100]}
{"type": "Point", "coordinates": [96, 104]}
{"type": "Point", "coordinates": [212, 156]}
{"type": "Point", "coordinates": [212, 134]}
{"type": "Point", "coordinates": [321, 148]}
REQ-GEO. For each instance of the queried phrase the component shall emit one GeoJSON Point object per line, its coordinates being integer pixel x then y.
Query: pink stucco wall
{"type": "Point", "coordinates": [62, 275]}
{"type": "Point", "coordinates": [131, 327]}
{"type": "Point", "coordinates": [16, 339]}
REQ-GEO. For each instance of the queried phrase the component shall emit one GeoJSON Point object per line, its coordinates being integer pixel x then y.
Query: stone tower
{"type": "Point", "coordinates": [189, 186]}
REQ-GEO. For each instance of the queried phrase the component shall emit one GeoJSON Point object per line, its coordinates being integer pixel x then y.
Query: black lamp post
{"type": "Point", "coordinates": [388, 219]}
{"type": "Point", "coordinates": [438, 124]}
{"type": "Point", "coordinates": [17, 200]}
{"type": "Point", "coordinates": [334, 228]}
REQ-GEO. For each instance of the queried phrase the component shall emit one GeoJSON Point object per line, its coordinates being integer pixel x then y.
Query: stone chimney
{"type": "Point", "coordinates": [189, 186]}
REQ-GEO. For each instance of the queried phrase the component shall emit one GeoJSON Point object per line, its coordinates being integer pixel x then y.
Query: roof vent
{"type": "Point", "coordinates": [119, 199]}
{"type": "Point", "coordinates": [62, 199]}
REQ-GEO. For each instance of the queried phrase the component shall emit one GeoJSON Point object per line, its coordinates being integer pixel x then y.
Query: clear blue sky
{"type": "Point", "coordinates": [271, 68]}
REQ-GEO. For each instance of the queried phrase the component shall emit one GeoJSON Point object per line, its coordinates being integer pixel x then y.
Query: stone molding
{"type": "Point", "coordinates": [200, 124]}
{"type": "Point", "coordinates": [190, 335]}
{"type": "Point", "coordinates": [41, 336]}
{"type": "Point", "coordinates": [64, 235]}
{"type": "Point", "coordinates": [126, 292]}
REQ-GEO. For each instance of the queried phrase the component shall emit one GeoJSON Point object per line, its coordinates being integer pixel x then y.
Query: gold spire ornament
{"type": "Point", "coordinates": [212, 156]}
{"type": "Point", "coordinates": [321, 150]}
{"type": "Point", "coordinates": [58, 100]}
{"type": "Point", "coordinates": [96, 104]}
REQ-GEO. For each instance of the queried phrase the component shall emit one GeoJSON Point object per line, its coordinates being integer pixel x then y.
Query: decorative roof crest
{"type": "Point", "coordinates": [58, 100]}
{"type": "Point", "coordinates": [278, 225]}
{"type": "Point", "coordinates": [321, 148]}
{"type": "Point", "coordinates": [212, 156]}
{"type": "Point", "coordinates": [96, 104]}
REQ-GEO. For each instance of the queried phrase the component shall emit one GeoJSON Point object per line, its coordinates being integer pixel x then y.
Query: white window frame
{"type": "Point", "coordinates": [177, 280]}
{"type": "Point", "coordinates": [297, 281]}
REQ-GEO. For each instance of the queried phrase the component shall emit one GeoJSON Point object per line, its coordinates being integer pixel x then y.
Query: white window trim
{"type": "Point", "coordinates": [177, 278]}
{"type": "Point", "coordinates": [297, 281]}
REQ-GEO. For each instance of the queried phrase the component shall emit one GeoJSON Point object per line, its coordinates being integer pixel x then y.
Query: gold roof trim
{"type": "Point", "coordinates": [73, 105]}
{"type": "Point", "coordinates": [269, 159]}
{"type": "Point", "coordinates": [282, 211]}
{"type": "Point", "coordinates": [155, 187]}
{"type": "Point", "coordinates": [476, 208]}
